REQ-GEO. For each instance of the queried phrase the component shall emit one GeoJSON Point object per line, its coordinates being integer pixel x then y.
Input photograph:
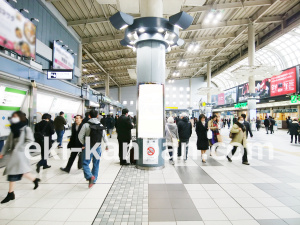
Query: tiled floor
{"type": "Point", "coordinates": [267, 192]}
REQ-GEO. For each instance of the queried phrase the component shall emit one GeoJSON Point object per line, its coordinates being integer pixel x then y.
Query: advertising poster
{"type": "Point", "coordinates": [262, 88]}
{"type": "Point", "coordinates": [62, 59]}
{"type": "Point", "coordinates": [230, 96]}
{"type": "Point", "coordinates": [243, 92]}
{"type": "Point", "coordinates": [285, 83]}
{"type": "Point", "coordinates": [214, 99]}
{"type": "Point", "coordinates": [17, 33]}
{"type": "Point", "coordinates": [221, 99]}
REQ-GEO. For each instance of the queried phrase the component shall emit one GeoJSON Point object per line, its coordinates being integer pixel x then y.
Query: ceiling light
{"type": "Point", "coordinates": [129, 35]}
{"type": "Point", "coordinates": [215, 21]}
{"type": "Point", "coordinates": [210, 15]}
{"type": "Point", "coordinates": [171, 42]}
{"type": "Point", "coordinates": [219, 15]}
{"type": "Point", "coordinates": [180, 63]}
{"type": "Point", "coordinates": [160, 30]}
{"type": "Point", "coordinates": [90, 76]}
{"type": "Point", "coordinates": [169, 81]}
{"type": "Point", "coordinates": [185, 63]}
{"type": "Point", "coordinates": [190, 48]}
{"type": "Point", "coordinates": [84, 69]}
{"type": "Point", "coordinates": [172, 81]}
{"type": "Point", "coordinates": [181, 20]}
{"type": "Point", "coordinates": [206, 21]}
{"type": "Point", "coordinates": [121, 20]}
{"type": "Point", "coordinates": [196, 48]}
{"type": "Point", "coordinates": [173, 35]}
{"type": "Point", "coordinates": [142, 30]}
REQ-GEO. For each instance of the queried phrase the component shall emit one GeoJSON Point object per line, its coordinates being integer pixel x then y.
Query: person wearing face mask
{"type": "Point", "coordinates": [238, 135]}
{"type": "Point", "coordinates": [44, 129]}
{"type": "Point", "coordinates": [18, 164]}
{"type": "Point", "coordinates": [202, 140]}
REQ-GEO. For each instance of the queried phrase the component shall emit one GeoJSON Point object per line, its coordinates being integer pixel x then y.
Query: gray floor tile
{"type": "Point", "coordinates": [178, 194]}
{"type": "Point", "coordinates": [157, 187]}
{"type": "Point", "coordinates": [277, 193]}
{"type": "Point", "coordinates": [292, 221]}
{"type": "Point", "coordinates": [194, 175]}
{"type": "Point", "coordinates": [182, 203]}
{"type": "Point", "coordinates": [209, 162]}
{"type": "Point", "coordinates": [163, 203]}
{"type": "Point", "coordinates": [289, 201]}
{"type": "Point", "coordinates": [271, 222]}
{"type": "Point", "coordinates": [187, 215]}
{"type": "Point", "coordinates": [175, 187]}
{"type": "Point", "coordinates": [160, 215]}
{"type": "Point", "coordinates": [266, 187]}
{"type": "Point", "coordinates": [158, 194]}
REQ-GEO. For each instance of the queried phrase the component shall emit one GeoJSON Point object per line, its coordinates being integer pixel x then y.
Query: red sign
{"type": "Point", "coordinates": [285, 83]}
{"type": "Point", "coordinates": [150, 151]}
{"type": "Point", "coordinates": [221, 99]}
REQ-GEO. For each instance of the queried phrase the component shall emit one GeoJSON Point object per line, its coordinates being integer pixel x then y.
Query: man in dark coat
{"type": "Point", "coordinates": [294, 127]}
{"type": "Point", "coordinates": [74, 143]}
{"type": "Point", "coordinates": [103, 121]}
{"type": "Point", "coordinates": [267, 124]}
{"type": "Point", "coordinates": [86, 118]}
{"type": "Point", "coordinates": [272, 123]}
{"type": "Point", "coordinates": [185, 132]}
{"type": "Point", "coordinates": [288, 122]}
{"type": "Point", "coordinates": [43, 129]}
{"type": "Point", "coordinates": [59, 125]}
{"type": "Point", "coordinates": [247, 125]}
{"type": "Point", "coordinates": [110, 123]}
{"type": "Point", "coordinates": [123, 126]}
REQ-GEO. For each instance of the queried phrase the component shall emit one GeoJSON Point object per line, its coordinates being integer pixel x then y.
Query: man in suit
{"type": "Point", "coordinates": [267, 124]}
{"type": "Point", "coordinates": [247, 125]}
{"type": "Point", "coordinates": [123, 126]}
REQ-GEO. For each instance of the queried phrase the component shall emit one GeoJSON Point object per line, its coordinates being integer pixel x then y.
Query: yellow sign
{"type": "Point", "coordinates": [203, 103]}
{"type": "Point", "coordinates": [171, 107]}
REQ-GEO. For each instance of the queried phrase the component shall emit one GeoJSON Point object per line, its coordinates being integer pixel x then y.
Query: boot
{"type": "Point", "coordinates": [10, 196]}
{"type": "Point", "coordinates": [36, 183]}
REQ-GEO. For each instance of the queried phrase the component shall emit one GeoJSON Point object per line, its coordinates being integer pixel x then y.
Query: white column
{"type": "Point", "coordinates": [107, 85]}
{"type": "Point", "coordinates": [119, 94]}
{"type": "Point", "coordinates": [208, 81]}
{"type": "Point", "coordinates": [151, 8]}
{"type": "Point", "coordinates": [190, 102]}
{"type": "Point", "coordinates": [251, 54]}
{"type": "Point", "coordinates": [79, 59]}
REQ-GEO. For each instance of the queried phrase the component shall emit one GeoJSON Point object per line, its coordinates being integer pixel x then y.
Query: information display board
{"type": "Point", "coordinates": [60, 74]}
{"type": "Point", "coordinates": [62, 59]}
{"type": "Point", "coordinates": [150, 111]}
{"type": "Point", "coordinates": [11, 98]}
{"type": "Point", "coordinates": [230, 96]}
{"type": "Point", "coordinates": [17, 33]}
{"type": "Point", "coordinates": [285, 83]}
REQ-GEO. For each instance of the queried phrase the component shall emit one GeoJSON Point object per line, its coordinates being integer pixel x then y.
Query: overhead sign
{"type": "Point", "coordinates": [295, 98]}
{"type": "Point", "coordinates": [11, 99]}
{"type": "Point", "coordinates": [60, 74]}
{"type": "Point", "coordinates": [284, 110]}
{"type": "Point", "coordinates": [62, 59]}
{"type": "Point", "coordinates": [240, 105]}
{"type": "Point", "coordinates": [285, 83]}
{"type": "Point", "coordinates": [17, 33]}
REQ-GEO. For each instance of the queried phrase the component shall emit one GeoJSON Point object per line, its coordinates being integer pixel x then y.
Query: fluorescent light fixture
{"type": "Point", "coordinates": [24, 10]}
{"type": "Point", "coordinates": [181, 20]}
{"type": "Point", "coordinates": [142, 30]}
{"type": "Point", "coordinates": [180, 63]}
{"type": "Point", "coordinates": [196, 48]}
{"type": "Point", "coordinates": [219, 15]}
{"type": "Point", "coordinates": [185, 64]}
{"type": "Point", "coordinates": [90, 76]}
{"type": "Point", "coordinates": [188, 89]}
{"type": "Point", "coordinates": [121, 20]}
{"type": "Point", "coordinates": [124, 102]}
{"type": "Point", "coordinates": [206, 21]}
{"type": "Point", "coordinates": [35, 19]}
{"type": "Point", "coordinates": [190, 48]}
{"type": "Point", "coordinates": [172, 81]}
{"type": "Point", "coordinates": [160, 30]}
{"type": "Point", "coordinates": [131, 102]}
{"type": "Point", "coordinates": [84, 69]}
{"type": "Point", "coordinates": [210, 15]}
{"type": "Point", "coordinates": [215, 21]}
{"type": "Point", "coordinates": [129, 35]}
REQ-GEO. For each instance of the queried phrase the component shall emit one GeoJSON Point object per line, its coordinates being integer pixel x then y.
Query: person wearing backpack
{"type": "Point", "coordinates": [43, 129]}
{"type": "Point", "coordinates": [95, 132]}
{"type": "Point", "coordinates": [272, 123]}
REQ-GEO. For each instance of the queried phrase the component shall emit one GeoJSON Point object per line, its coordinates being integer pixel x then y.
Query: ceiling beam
{"type": "Point", "coordinates": [86, 21]}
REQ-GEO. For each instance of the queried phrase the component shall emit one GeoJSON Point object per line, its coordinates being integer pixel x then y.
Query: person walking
{"type": "Point", "coordinates": [110, 122]}
{"type": "Point", "coordinates": [44, 129]}
{"type": "Point", "coordinates": [17, 165]}
{"type": "Point", "coordinates": [258, 122]}
{"type": "Point", "coordinates": [288, 122]}
{"type": "Point", "coordinates": [95, 133]}
{"type": "Point", "coordinates": [294, 127]}
{"type": "Point", "coordinates": [172, 137]}
{"type": "Point", "coordinates": [59, 125]}
{"type": "Point", "coordinates": [202, 140]}
{"type": "Point", "coordinates": [272, 123]}
{"type": "Point", "coordinates": [123, 126]}
{"type": "Point", "coordinates": [267, 124]}
{"type": "Point", "coordinates": [228, 123]}
{"type": "Point", "coordinates": [74, 143]}
{"type": "Point", "coordinates": [239, 138]}
{"type": "Point", "coordinates": [247, 126]}
{"type": "Point", "coordinates": [213, 127]}
{"type": "Point", "coordinates": [103, 120]}
{"type": "Point", "coordinates": [185, 132]}
{"type": "Point", "coordinates": [86, 118]}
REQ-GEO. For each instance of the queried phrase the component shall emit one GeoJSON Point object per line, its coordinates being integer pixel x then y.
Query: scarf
{"type": "Point", "coordinates": [15, 128]}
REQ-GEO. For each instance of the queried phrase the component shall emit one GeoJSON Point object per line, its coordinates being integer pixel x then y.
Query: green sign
{"type": "Point", "coordinates": [240, 105]}
{"type": "Point", "coordinates": [295, 98]}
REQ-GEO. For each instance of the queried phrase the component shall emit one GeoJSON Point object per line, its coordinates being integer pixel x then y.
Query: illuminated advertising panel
{"type": "Point", "coordinates": [214, 99]}
{"type": "Point", "coordinates": [285, 83]}
{"type": "Point", "coordinates": [230, 96]}
{"type": "Point", "coordinates": [62, 59]}
{"type": "Point", "coordinates": [221, 99]}
{"type": "Point", "coordinates": [17, 33]}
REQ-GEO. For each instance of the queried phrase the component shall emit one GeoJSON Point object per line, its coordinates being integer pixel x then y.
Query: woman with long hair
{"type": "Point", "coordinates": [213, 127]}
{"type": "Point", "coordinates": [202, 140]}
{"type": "Point", "coordinates": [239, 138]}
{"type": "Point", "coordinates": [18, 164]}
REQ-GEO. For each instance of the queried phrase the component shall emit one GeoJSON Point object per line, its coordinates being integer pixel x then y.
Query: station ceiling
{"type": "Point", "coordinates": [223, 41]}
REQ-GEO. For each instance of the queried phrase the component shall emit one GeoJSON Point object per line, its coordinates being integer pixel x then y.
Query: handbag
{"type": "Point", "coordinates": [174, 140]}
{"type": "Point", "coordinates": [209, 134]}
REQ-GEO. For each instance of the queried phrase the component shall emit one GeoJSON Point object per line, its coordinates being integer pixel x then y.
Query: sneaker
{"type": "Point", "coordinates": [246, 163]}
{"type": "Point", "coordinates": [91, 181]}
{"type": "Point", "coordinates": [229, 159]}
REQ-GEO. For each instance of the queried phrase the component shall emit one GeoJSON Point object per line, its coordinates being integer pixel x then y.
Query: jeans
{"type": "Point", "coordinates": [86, 165]}
{"type": "Point", "coordinates": [245, 157]}
{"type": "Point", "coordinates": [185, 144]}
{"type": "Point", "coordinates": [60, 135]}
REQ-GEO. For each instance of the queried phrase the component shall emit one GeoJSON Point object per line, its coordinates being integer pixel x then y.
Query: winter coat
{"type": "Point", "coordinates": [17, 162]}
{"type": "Point", "coordinates": [86, 130]}
{"type": "Point", "coordinates": [124, 126]}
{"type": "Point", "coordinates": [184, 129]}
{"type": "Point", "coordinates": [239, 137]}
{"type": "Point", "coordinates": [110, 123]}
{"type": "Point", "coordinates": [267, 122]}
{"type": "Point", "coordinates": [202, 141]}
{"type": "Point", "coordinates": [294, 127]}
{"type": "Point", "coordinates": [171, 132]}
{"type": "Point", "coordinates": [49, 130]}
{"type": "Point", "coordinates": [74, 141]}
{"type": "Point", "coordinates": [248, 129]}
{"type": "Point", "coordinates": [59, 123]}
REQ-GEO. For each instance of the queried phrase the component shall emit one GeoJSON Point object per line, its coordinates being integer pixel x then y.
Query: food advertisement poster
{"type": "Point", "coordinates": [17, 33]}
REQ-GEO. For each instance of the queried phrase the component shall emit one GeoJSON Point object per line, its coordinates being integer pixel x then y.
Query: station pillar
{"type": "Point", "coordinates": [107, 85]}
{"type": "Point", "coordinates": [208, 107]}
{"type": "Point", "coordinates": [251, 60]}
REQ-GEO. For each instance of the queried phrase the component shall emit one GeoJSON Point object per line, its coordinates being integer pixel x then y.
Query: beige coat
{"type": "Point", "coordinates": [210, 125]}
{"type": "Point", "coordinates": [239, 137]}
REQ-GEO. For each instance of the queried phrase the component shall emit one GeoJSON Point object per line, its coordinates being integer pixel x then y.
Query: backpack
{"type": "Point", "coordinates": [96, 133]}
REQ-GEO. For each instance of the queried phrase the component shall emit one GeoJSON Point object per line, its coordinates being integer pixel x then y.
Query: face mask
{"type": "Point", "coordinates": [15, 120]}
{"type": "Point", "coordinates": [241, 121]}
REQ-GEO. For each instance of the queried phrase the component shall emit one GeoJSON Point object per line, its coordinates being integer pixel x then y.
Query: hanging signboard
{"type": "Point", "coordinates": [17, 33]}
{"type": "Point", "coordinates": [62, 59]}
{"type": "Point", "coordinates": [262, 88]}
{"type": "Point", "coordinates": [60, 74]}
{"type": "Point", "coordinates": [285, 83]}
{"type": "Point", "coordinates": [150, 111]}
{"type": "Point", "coordinates": [284, 110]}
{"type": "Point", "coordinates": [230, 96]}
{"type": "Point", "coordinates": [214, 99]}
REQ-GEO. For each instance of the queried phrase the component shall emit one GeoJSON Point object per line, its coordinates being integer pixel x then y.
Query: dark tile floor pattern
{"type": "Point", "coordinates": [194, 175]}
{"type": "Point", "coordinates": [171, 202]}
{"type": "Point", "coordinates": [127, 200]}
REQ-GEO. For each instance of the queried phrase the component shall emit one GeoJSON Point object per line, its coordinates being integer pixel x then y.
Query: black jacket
{"type": "Point", "coordinates": [267, 122]}
{"type": "Point", "coordinates": [48, 128]}
{"type": "Point", "coordinates": [74, 141]}
{"type": "Point", "coordinates": [59, 123]}
{"type": "Point", "coordinates": [103, 121]}
{"type": "Point", "coordinates": [248, 128]}
{"type": "Point", "coordinates": [85, 120]}
{"type": "Point", "coordinates": [184, 129]}
{"type": "Point", "coordinates": [124, 126]}
{"type": "Point", "coordinates": [294, 127]}
{"type": "Point", "coordinates": [202, 141]}
{"type": "Point", "coordinates": [110, 123]}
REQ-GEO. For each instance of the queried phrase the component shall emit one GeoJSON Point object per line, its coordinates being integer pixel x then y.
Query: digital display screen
{"type": "Point", "coordinates": [60, 74]}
